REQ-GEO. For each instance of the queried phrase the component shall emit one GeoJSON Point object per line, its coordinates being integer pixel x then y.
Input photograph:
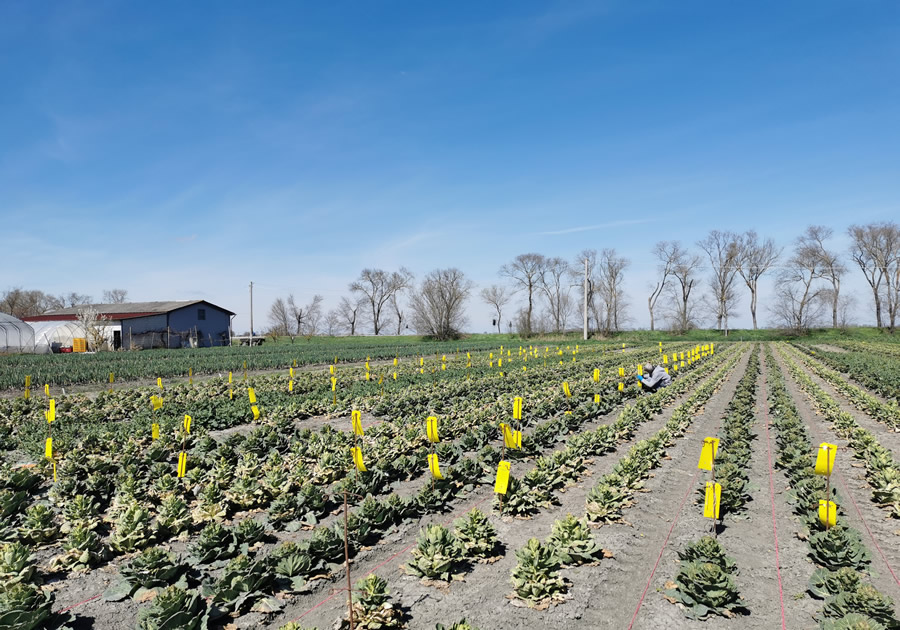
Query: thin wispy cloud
{"type": "Point", "coordinates": [599, 226]}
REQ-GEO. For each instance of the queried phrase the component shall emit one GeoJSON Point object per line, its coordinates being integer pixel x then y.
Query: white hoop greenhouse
{"type": "Point", "coordinates": [50, 336]}
{"type": "Point", "coordinates": [15, 335]}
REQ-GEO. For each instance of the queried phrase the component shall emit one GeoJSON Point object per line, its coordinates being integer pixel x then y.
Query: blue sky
{"type": "Point", "coordinates": [183, 150]}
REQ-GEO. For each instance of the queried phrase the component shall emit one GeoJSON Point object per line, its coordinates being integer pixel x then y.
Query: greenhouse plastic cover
{"type": "Point", "coordinates": [58, 334]}
{"type": "Point", "coordinates": [15, 335]}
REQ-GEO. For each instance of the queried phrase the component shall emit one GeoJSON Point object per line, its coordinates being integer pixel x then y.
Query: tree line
{"type": "Point", "coordinates": [691, 286]}
{"type": "Point", "coordinates": [20, 302]}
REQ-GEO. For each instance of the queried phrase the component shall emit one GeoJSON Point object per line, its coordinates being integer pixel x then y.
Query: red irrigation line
{"type": "Point", "coordinates": [764, 398]}
{"type": "Point", "coordinates": [90, 599]}
{"type": "Point", "coordinates": [866, 525]}
{"type": "Point", "coordinates": [687, 492]}
{"type": "Point", "coordinates": [381, 564]}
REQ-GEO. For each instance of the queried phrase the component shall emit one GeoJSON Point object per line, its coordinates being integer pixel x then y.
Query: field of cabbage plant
{"type": "Point", "coordinates": [479, 487]}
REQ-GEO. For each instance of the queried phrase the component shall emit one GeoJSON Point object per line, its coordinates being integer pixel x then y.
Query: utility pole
{"type": "Point", "coordinates": [585, 297]}
{"type": "Point", "coordinates": [251, 314]}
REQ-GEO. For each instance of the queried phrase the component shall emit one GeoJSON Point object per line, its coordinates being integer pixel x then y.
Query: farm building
{"type": "Point", "coordinates": [193, 323]}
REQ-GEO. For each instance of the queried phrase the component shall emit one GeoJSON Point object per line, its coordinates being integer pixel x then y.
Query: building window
{"type": "Point", "coordinates": [201, 314]}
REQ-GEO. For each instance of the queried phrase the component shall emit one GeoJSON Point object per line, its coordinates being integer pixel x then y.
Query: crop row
{"type": "Point", "coordinates": [705, 582]}
{"type": "Point", "coordinates": [841, 558]}
{"type": "Point", "coordinates": [885, 412]}
{"type": "Point", "coordinates": [879, 373]}
{"type": "Point", "coordinates": [882, 471]}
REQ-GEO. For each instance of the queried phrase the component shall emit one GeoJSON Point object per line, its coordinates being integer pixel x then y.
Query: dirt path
{"type": "Point", "coordinates": [829, 348]}
{"type": "Point", "coordinates": [670, 495]}
{"type": "Point", "coordinates": [481, 598]}
{"type": "Point", "coordinates": [877, 529]}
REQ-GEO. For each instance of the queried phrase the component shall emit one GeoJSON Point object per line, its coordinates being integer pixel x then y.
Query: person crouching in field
{"type": "Point", "coordinates": [654, 377]}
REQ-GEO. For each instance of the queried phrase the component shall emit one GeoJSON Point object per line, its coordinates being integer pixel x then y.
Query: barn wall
{"type": "Point", "coordinates": [215, 325]}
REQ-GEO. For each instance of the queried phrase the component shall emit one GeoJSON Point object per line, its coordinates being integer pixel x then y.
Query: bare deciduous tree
{"type": "Point", "coordinates": [556, 289]}
{"type": "Point", "coordinates": [307, 317]}
{"type": "Point", "coordinates": [89, 319]}
{"type": "Point", "coordinates": [115, 296]}
{"type": "Point", "coordinates": [349, 311]}
{"type": "Point", "coordinates": [876, 250]}
{"type": "Point", "coordinates": [395, 303]}
{"type": "Point", "coordinates": [497, 297]}
{"type": "Point", "coordinates": [611, 288]}
{"type": "Point", "coordinates": [755, 258]}
{"type": "Point", "coordinates": [525, 271]}
{"type": "Point", "coordinates": [377, 287]}
{"type": "Point", "coordinates": [665, 252]}
{"type": "Point", "coordinates": [333, 322]}
{"type": "Point", "coordinates": [577, 272]}
{"type": "Point", "coordinates": [685, 273]}
{"type": "Point", "coordinates": [722, 250]}
{"type": "Point", "coordinates": [798, 304]}
{"type": "Point", "coordinates": [438, 304]}
{"type": "Point", "coordinates": [75, 299]}
{"type": "Point", "coordinates": [280, 318]}
{"type": "Point", "coordinates": [832, 269]}
{"type": "Point", "coordinates": [21, 303]}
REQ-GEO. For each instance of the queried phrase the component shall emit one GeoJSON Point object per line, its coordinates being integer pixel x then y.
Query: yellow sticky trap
{"type": "Point", "coordinates": [156, 402]}
{"type": "Point", "coordinates": [295, 362]}
{"type": "Point", "coordinates": [50, 414]}
{"type": "Point", "coordinates": [566, 389]}
{"type": "Point", "coordinates": [621, 371]}
{"type": "Point", "coordinates": [708, 453]}
{"type": "Point", "coordinates": [395, 360]}
{"type": "Point", "coordinates": [48, 448]}
{"type": "Point", "coordinates": [47, 390]}
{"type": "Point", "coordinates": [596, 375]}
{"type": "Point", "coordinates": [517, 408]}
{"type": "Point", "coordinates": [290, 386]}
{"type": "Point", "coordinates": [154, 431]}
{"type": "Point", "coordinates": [666, 369]}
{"type": "Point", "coordinates": [356, 421]}
{"type": "Point", "coordinates": [159, 383]}
{"type": "Point", "coordinates": [682, 356]}
{"type": "Point", "coordinates": [827, 513]}
{"type": "Point", "coordinates": [421, 361]}
{"type": "Point", "coordinates": [431, 428]}
{"type": "Point", "coordinates": [665, 359]}
{"type": "Point", "coordinates": [512, 439]}
{"type": "Point", "coordinates": [187, 424]}
{"type": "Point", "coordinates": [395, 377]}
{"type": "Point", "coordinates": [255, 411]}
{"type": "Point", "coordinates": [230, 394]}
{"type": "Point", "coordinates": [182, 464]}
{"type": "Point", "coordinates": [502, 481]}
{"type": "Point", "coordinates": [332, 369]}
{"type": "Point", "coordinates": [367, 366]}
{"type": "Point", "coordinates": [443, 366]}
{"type": "Point", "coordinates": [191, 376]}
{"type": "Point", "coordinates": [596, 399]}
{"type": "Point", "coordinates": [825, 459]}
{"type": "Point", "coordinates": [112, 377]}
{"type": "Point", "coordinates": [433, 466]}
{"type": "Point", "coordinates": [27, 394]}
{"type": "Point", "coordinates": [640, 369]}
{"type": "Point", "coordinates": [291, 372]}
{"type": "Point", "coordinates": [28, 381]}
{"type": "Point", "coordinates": [54, 471]}
{"type": "Point", "coordinates": [229, 378]}
{"type": "Point", "coordinates": [333, 384]}
{"type": "Point", "coordinates": [713, 496]}
{"type": "Point", "coordinates": [621, 387]}
{"type": "Point", "coordinates": [500, 362]}
{"type": "Point", "coordinates": [252, 394]}
{"type": "Point", "coordinates": [358, 458]}
{"type": "Point", "coordinates": [682, 364]}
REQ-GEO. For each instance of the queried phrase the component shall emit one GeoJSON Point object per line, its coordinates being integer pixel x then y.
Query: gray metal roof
{"type": "Point", "coordinates": [134, 308]}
